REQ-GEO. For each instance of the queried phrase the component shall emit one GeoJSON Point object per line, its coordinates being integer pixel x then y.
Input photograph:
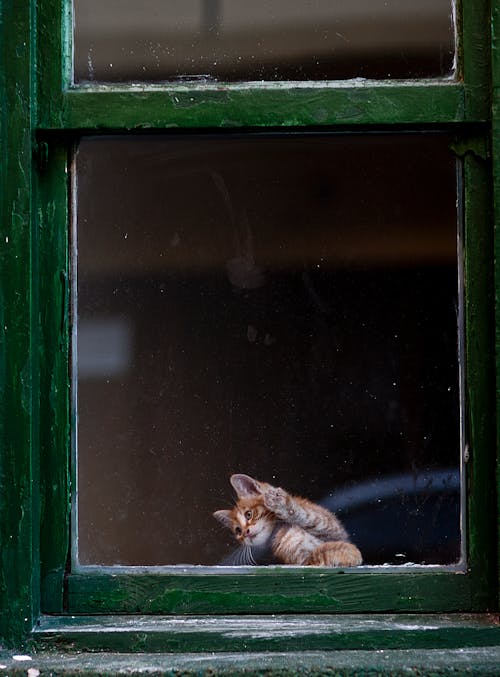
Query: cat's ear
{"type": "Point", "coordinates": [245, 486]}
{"type": "Point", "coordinates": [224, 517]}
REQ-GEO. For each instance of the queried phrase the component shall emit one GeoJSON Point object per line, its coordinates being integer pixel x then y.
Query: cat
{"type": "Point", "coordinates": [271, 526]}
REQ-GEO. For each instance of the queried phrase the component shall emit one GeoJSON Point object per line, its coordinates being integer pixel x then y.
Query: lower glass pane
{"type": "Point", "coordinates": [283, 306]}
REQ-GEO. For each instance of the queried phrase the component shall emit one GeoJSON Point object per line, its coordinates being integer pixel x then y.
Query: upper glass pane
{"type": "Point", "coordinates": [237, 40]}
{"type": "Point", "coordinates": [279, 306]}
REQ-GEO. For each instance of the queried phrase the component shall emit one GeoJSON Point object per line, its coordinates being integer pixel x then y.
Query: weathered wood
{"type": "Point", "coordinates": [480, 386]}
{"type": "Point", "coordinates": [18, 356]}
{"type": "Point", "coordinates": [232, 106]}
{"type": "Point", "coordinates": [269, 591]}
{"type": "Point", "coordinates": [473, 56]}
{"type": "Point", "coordinates": [53, 217]}
{"type": "Point", "coordinates": [482, 662]}
{"type": "Point", "coordinates": [34, 355]}
{"type": "Point", "coordinates": [495, 145]}
{"type": "Point", "coordinates": [264, 633]}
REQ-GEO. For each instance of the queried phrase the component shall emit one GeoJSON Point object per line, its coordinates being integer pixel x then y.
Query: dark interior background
{"type": "Point", "coordinates": [283, 306]}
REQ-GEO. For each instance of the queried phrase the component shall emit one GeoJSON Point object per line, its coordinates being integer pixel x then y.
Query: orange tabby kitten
{"type": "Point", "coordinates": [273, 526]}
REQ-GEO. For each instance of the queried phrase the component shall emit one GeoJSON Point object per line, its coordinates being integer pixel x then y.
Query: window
{"type": "Point", "coordinates": [235, 41]}
{"type": "Point", "coordinates": [104, 149]}
{"type": "Point", "coordinates": [283, 305]}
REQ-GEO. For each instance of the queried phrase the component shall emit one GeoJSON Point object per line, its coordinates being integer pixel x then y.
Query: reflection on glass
{"type": "Point", "coordinates": [231, 40]}
{"type": "Point", "coordinates": [280, 306]}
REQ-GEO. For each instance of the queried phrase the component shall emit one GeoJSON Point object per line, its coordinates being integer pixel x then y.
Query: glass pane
{"type": "Point", "coordinates": [279, 306]}
{"type": "Point", "coordinates": [232, 40]}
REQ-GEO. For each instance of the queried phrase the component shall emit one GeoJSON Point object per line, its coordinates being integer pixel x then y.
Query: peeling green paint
{"type": "Point", "coordinates": [245, 634]}
{"type": "Point", "coordinates": [34, 358]}
{"type": "Point", "coordinates": [399, 663]}
{"type": "Point", "coordinates": [272, 592]}
{"type": "Point", "coordinates": [225, 106]}
{"type": "Point", "coordinates": [18, 511]}
{"type": "Point", "coordinates": [476, 145]}
{"type": "Point", "coordinates": [54, 380]}
{"type": "Point", "coordinates": [495, 140]}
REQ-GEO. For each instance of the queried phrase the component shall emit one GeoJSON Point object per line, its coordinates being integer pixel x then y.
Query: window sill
{"type": "Point", "coordinates": [479, 661]}
{"type": "Point", "coordinates": [283, 633]}
{"type": "Point", "coordinates": [416, 644]}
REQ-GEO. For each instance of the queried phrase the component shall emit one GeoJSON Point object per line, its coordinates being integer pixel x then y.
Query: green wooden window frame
{"type": "Point", "coordinates": [42, 117]}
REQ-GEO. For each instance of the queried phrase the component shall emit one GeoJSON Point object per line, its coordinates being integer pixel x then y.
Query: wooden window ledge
{"type": "Point", "coordinates": [272, 645]}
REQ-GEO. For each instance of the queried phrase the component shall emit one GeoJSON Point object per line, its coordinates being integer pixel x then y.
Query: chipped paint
{"type": "Point", "coordinates": [17, 573]}
{"type": "Point", "coordinates": [339, 107]}
{"type": "Point", "coordinates": [316, 105]}
{"type": "Point", "coordinates": [408, 663]}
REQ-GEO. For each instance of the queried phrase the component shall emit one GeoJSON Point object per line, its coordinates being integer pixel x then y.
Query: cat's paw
{"type": "Point", "coordinates": [278, 501]}
{"type": "Point", "coordinates": [336, 554]}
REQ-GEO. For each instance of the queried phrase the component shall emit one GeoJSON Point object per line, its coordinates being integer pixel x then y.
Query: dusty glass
{"type": "Point", "coordinates": [235, 40]}
{"type": "Point", "coordinates": [282, 306]}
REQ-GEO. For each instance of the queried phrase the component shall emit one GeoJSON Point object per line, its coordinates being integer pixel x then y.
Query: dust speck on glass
{"type": "Point", "coordinates": [280, 307]}
{"type": "Point", "coordinates": [237, 40]}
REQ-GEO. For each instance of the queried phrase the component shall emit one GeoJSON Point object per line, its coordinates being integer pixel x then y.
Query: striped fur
{"type": "Point", "coordinates": [296, 530]}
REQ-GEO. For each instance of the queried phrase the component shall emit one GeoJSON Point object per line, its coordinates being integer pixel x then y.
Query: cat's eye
{"type": "Point", "coordinates": [248, 514]}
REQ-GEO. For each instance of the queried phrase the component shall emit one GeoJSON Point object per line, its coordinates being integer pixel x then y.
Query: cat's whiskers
{"type": "Point", "coordinates": [244, 556]}
{"type": "Point", "coordinates": [250, 559]}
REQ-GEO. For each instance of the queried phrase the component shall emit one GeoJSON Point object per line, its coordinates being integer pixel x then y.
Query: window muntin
{"type": "Point", "coordinates": [284, 306]}
{"type": "Point", "coordinates": [233, 40]}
